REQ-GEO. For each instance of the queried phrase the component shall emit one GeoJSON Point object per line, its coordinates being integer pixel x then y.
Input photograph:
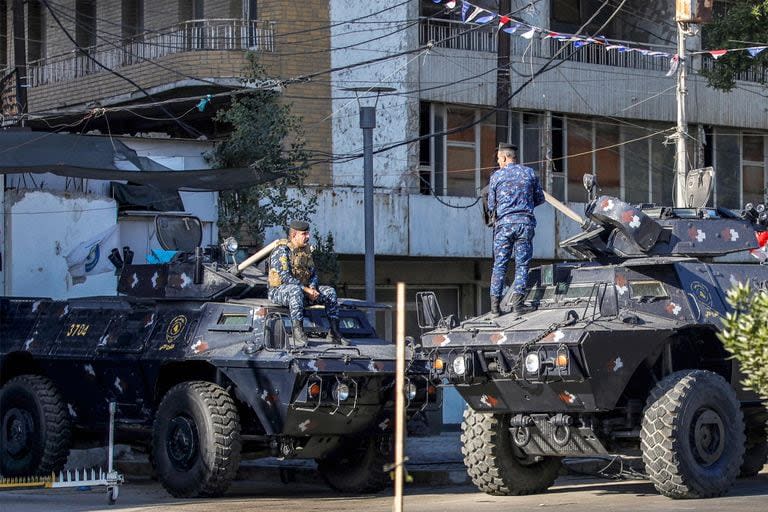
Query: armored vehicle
{"type": "Point", "coordinates": [617, 354]}
{"type": "Point", "coordinates": [204, 371]}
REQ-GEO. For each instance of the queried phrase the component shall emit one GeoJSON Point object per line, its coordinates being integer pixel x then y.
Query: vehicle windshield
{"type": "Point", "coordinates": [562, 292]}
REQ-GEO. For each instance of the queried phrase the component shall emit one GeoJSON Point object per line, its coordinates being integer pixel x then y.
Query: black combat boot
{"type": "Point", "coordinates": [517, 304]}
{"type": "Point", "coordinates": [495, 310]}
{"type": "Point", "coordinates": [299, 338]}
{"type": "Point", "coordinates": [334, 334]}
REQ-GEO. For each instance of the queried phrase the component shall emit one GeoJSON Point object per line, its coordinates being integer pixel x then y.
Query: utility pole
{"type": "Point", "coordinates": [502, 78]}
{"type": "Point", "coordinates": [20, 55]}
{"type": "Point", "coordinates": [367, 124]}
{"type": "Point", "coordinates": [681, 133]}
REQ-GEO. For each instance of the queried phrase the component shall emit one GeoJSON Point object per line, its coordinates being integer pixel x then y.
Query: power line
{"type": "Point", "coordinates": [190, 130]}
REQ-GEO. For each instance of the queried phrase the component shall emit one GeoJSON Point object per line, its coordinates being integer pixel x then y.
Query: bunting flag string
{"type": "Point", "coordinates": [480, 15]}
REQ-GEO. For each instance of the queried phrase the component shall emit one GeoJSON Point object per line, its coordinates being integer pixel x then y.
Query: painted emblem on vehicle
{"type": "Point", "coordinates": [701, 292]}
{"type": "Point", "coordinates": [175, 328]}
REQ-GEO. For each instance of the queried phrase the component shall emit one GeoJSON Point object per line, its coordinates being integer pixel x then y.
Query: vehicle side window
{"type": "Point", "coordinates": [647, 290]}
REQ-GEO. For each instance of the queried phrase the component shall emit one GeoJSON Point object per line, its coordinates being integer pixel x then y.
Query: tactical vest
{"type": "Point", "coordinates": [301, 264]}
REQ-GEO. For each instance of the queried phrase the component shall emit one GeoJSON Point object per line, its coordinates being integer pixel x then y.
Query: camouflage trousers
{"type": "Point", "coordinates": [509, 239]}
{"type": "Point", "coordinates": [292, 296]}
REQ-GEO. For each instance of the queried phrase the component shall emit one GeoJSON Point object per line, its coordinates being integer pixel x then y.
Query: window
{"type": "Point", "coordinates": [133, 18]}
{"type": "Point", "coordinates": [579, 161]}
{"type": "Point", "coordinates": [461, 163]}
{"type": "Point", "coordinates": [753, 169]}
{"type": "Point", "coordinates": [249, 10]}
{"type": "Point", "coordinates": [566, 11]}
{"type": "Point", "coordinates": [35, 31]}
{"type": "Point", "coordinates": [727, 167]}
{"type": "Point", "coordinates": [85, 23]}
{"type": "Point", "coordinates": [647, 290]}
{"type": "Point", "coordinates": [191, 10]}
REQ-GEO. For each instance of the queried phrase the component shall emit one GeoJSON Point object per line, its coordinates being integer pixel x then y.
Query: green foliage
{"type": "Point", "coordinates": [325, 258]}
{"type": "Point", "coordinates": [745, 335]}
{"type": "Point", "coordinates": [744, 24]}
{"type": "Point", "coordinates": [264, 134]}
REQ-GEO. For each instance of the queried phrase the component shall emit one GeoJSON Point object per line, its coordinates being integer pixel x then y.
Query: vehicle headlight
{"type": "Point", "coordinates": [340, 392]}
{"type": "Point", "coordinates": [411, 391]}
{"type": "Point", "coordinates": [460, 365]}
{"type": "Point", "coordinates": [532, 363]}
{"type": "Point", "coordinates": [231, 245]}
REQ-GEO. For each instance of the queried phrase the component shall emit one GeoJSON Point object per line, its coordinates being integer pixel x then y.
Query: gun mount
{"type": "Point", "coordinates": [616, 230]}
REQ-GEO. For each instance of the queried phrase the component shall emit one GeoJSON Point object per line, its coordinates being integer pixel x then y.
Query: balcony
{"type": "Point", "coordinates": [189, 36]}
{"type": "Point", "coordinates": [483, 38]}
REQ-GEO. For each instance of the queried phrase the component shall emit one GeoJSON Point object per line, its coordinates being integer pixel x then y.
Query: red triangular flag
{"type": "Point", "coordinates": [718, 53]}
{"type": "Point", "coordinates": [503, 20]}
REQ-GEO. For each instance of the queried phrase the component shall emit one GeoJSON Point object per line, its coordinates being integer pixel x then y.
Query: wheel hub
{"type": "Point", "coordinates": [18, 427]}
{"type": "Point", "coordinates": [182, 442]}
{"type": "Point", "coordinates": [708, 436]}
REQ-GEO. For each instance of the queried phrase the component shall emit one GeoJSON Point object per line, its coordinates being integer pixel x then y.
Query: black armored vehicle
{"type": "Point", "coordinates": [617, 354]}
{"type": "Point", "coordinates": [204, 370]}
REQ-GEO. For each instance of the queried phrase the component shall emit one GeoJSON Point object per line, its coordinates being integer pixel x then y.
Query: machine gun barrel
{"type": "Point", "coordinates": [255, 258]}
{"type": "Point", "coordinates": [563, 208]}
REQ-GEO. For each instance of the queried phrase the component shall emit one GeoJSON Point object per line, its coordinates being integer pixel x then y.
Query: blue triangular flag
{"type": "Point", "coordinates": [755, 50]}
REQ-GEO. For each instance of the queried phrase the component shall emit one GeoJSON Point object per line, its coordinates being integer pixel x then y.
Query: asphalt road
{"type": "Point", "coordinates": [569, 494]}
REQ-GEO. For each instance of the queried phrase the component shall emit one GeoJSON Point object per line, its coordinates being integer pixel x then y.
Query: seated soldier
{"type": "Point", "coordinates": [293, 283]}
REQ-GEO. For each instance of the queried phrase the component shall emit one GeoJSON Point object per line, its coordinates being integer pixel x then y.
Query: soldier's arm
{"type": "Point", "coordinates": [538, 193]}
{"type": "Point", "coordinates": [492, 194]}
{"type": "Point", "coordinates": [313, 280]}
{"type": "Point", "coordinates": [279, 262]}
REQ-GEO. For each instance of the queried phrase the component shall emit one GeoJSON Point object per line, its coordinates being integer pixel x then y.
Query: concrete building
{"type": "Point", "coordinates": [595, 110]}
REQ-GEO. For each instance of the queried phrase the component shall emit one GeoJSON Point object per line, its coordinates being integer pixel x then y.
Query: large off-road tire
{"type": "Point", "coordinates": [196, 440]}
{"type": "Point", "coordinates": [357, 466]}
{"type": "Point", "coordinates": [36, 431]}
{"type": "Point", "coordinates": [495, 464]}
{"type": "Point", "coordinates": [756, 445]}
{"type": "Point", "coordinates": [692, 435]}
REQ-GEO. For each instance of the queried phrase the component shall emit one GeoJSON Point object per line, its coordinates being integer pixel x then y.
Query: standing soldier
{"type": "Point", "coordinates": [293, 283]}
{"type": "Point", "coordinates": [513, 192]}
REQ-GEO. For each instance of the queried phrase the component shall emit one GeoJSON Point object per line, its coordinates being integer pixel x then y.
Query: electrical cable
{"type": "Point", "coordinates": [189, 129]}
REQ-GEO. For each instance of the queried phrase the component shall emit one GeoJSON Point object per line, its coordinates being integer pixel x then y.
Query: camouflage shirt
{"type": "Point", "coordinates": [513, 192]}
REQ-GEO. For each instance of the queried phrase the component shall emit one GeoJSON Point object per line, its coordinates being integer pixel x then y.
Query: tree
{"type": "Point", "coordinates": [743, 24]}
{"type": "Point", "coordinates": [326, 260]}
{"type": "Point", "coordinates": [264, 133]}
{"type": "Point", "coordinates": [745, 335]}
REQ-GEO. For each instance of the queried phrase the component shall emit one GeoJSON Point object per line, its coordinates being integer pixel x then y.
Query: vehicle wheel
{"type": "Point", "coordinates": [36, 431]}
{"type": "Point", "coordinates": [196, 440]}
{"type": "Point", "coordinates": [692, 435]}
{"type": "Point", "coordinates": [756, 445]}
{"type": "Point", "coordinates": [357, 466]}
{"type": "Point", "coordinates": [495, 464]}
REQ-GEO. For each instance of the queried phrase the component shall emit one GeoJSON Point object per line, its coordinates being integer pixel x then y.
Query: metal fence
{"type": "Point", "coordinates": [483, 38]}
{"type": "Point", "coordinates": [189, 36]}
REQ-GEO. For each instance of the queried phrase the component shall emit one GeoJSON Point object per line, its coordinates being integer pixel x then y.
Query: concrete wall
{"type": "Point", "coordinates": [397, 116]}
{"type": "Point", "coordinates": [42, 229]}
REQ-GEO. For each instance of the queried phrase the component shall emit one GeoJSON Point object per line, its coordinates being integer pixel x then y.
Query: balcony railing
{"type": "Point", "coordinates": [189, 36]}
{"type": "Point", "coordinates": [483, 38]}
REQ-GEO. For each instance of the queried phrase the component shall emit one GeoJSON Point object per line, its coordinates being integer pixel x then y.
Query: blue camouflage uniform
{"type": "Point", "coordinates": [513, 192]}
{"type": "Point", "coordinates": [286, 289]}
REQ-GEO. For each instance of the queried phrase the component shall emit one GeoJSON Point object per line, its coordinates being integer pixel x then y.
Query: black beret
{"type": "Point", "coordinates": [299, 225]}
{"type": "Point", "coordinates": [504, 145]}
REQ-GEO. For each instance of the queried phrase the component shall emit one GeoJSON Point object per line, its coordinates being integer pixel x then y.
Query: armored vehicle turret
{"type": "Point", "coordinates": [204, 371]}
{"type": "Point", "coordinates": [617, 354]}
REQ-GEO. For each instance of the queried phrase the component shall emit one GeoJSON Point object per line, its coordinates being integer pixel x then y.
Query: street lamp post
{"type": "Point", "coordinates": [367, 124]}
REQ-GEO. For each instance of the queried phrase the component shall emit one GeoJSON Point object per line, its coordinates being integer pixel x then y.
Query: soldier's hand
{"type": "Point", "coordinates": [312, 294]}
